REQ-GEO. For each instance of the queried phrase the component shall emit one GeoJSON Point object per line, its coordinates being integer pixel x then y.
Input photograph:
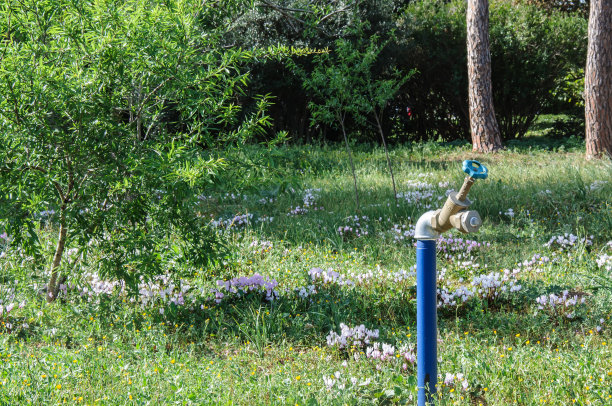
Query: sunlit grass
{"type": "Point", "coordinates": [245, 350]}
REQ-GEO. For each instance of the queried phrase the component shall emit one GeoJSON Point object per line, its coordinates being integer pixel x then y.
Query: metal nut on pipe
{"type": "Point", "coordinates": [467, 221]}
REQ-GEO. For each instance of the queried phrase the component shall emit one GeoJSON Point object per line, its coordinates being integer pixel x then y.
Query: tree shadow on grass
{"type": "Point", "coordinates": [297, 321]}
{"type": "Point", "coordinates": [574, 205]}
{"type": "Point", "coordinates": [515, 316]}
{"type": "Point", "coordinates": [291, 320]}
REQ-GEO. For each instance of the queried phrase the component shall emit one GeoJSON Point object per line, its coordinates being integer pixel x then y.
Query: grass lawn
{"type": "Point", "coordinates": [524, 305]}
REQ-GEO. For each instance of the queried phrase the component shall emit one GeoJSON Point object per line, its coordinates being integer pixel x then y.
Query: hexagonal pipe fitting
{"type": "Point", "coordinates": [467, 221]}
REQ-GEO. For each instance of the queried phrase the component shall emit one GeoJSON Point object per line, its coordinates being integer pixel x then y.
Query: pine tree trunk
{"type": "Point", "coordinates": [348, 151]}
{"type": "Point", "coordinates": [53, 286]}
{"type": "Point", "coordinates": [598, 81]}
{"type": "Point", "coordinates": [485, 131]}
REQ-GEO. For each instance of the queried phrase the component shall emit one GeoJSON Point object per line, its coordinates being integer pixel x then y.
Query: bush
{"type": "Point", "coordinates": [532, 52]}
{"type": "Point", "coordinates": [107, 110]}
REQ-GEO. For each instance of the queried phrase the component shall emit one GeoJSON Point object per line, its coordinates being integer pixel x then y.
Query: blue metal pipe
{"type": "Point", "coordinates": [427, 322]}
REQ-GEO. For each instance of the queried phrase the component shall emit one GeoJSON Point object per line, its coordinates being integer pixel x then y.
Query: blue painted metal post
{"type": "Point", "coordinates": [427, 322]}
{"type": "Point", "coordinates": [427, 229]}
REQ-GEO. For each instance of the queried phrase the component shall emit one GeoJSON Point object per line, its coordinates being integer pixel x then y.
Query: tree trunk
{"type": "Point", "coordinates": [53, 286]}
{"type": "Point", "coordinates": [382, 135]}
{"type": "Point", "coordinates": [348, 151]}
{"type": "Point", "coordinates": [598, 81]}
{"type": "Point", "coordinates": [485, 131]}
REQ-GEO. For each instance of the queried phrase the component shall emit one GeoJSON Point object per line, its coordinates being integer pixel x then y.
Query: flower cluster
{"type": "Point", "coordinates": [361, 337]}
{"type": "Point", "coordinates": [94, 287]}
{"type": "Point", "coordinates": [449, 298]}
{"type": "Point", "coordinates": [329, 277]}
{"type": "Point", "coordinates": [490, 285]}
{"type": "Point", "coordinates": [306, 291]}
{"type": "Point", "coordinates": [456, 380]}
{"type": "Point", "coordinates": [536, 263]}
{"type": "Point", "coordinates": [380, 351]}
{"type": "Point", "coordinates": [567, 241]}
{"type": "Point", "coordinates": [604, 261]}
{"type": "Point", "coordinates": [403, 232]}
{"type": "Point", "coordinates": [354, 228]}
{"type": "Point", "coordinates": [418, 184]}
{"type": "Point", "coordinates": [309, 200]}
{"type": "Point", "coordinates": [161, 289]}
{"type": "Point", "coordinates": [469, 265]}
{"type": "Point", "coordinates": [386, 352]}
{"type": "Point", "coordinates": [297, 211]}
{"type": "Point", "coordinates": [237, 221]}
{"type": "Point", "coordinates": [341, 383]}
{"type": "Point", "coordinates": [164, 288]}
{"type": "Point", "coordinates": [422, 194]}
{"type": "Point", "coordinates": [486, 286]}
{"type": "Point", "coordinates": [244, 284]}
{"type": "Point", "coordinates": [5, 310]}
{"type": "Point", "coordinates": [358, 337]}
{"type": "Point", "coordinates": [565, 304]}
{"type": "Point", "coordinates": [266, 200]}
{"type": "Point", "coordinates": [456, 248]}
{"type": "Point", "coordinates": [380, 276]}
{"type": "Point", "coordinates": [420, 198]}
{"type": "Point", "coordinates": [260, 247]}
{"type": "Point", "coordinates": [407, 355]}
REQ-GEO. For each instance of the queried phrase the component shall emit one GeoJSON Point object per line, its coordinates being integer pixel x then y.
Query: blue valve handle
{"type": "Point", "coordinates": [475, 169]}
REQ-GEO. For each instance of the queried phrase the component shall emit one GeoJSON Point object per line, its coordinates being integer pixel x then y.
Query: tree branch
{"type": "Point", "coordinates": [325, 17]}
{"type": "Point", "coordinates": [287, 12]}
{"type": "Point", "coordinates": [148, 96]}
{"type": "Point", "coordinates": [57, 186]}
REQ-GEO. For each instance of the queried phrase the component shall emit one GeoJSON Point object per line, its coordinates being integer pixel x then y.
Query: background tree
{"type": "Point", "coordinates": [598, 81]}
{"type": "Point", "coordinates": [335, 101]}
{"type": "Point", "coordinates": [379, 90]}
{"type": "Point", "coordinates": [483, 124]}
{"type": "Point", "coordinates": [346, 87]}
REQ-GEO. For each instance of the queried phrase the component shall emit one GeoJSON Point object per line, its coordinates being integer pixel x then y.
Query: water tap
{"type": "Point", "coordinates": [455, 211]}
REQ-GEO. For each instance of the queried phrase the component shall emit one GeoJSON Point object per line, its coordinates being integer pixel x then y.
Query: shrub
{"type": "Point", "coordinates": [107, 108]}
{"type": "Point", "coordinates": [532, 52]}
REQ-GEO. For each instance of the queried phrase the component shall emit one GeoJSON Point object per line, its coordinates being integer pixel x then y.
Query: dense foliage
{"type": "Point", "coordinates": [108, 110]}
{"type": "Point", "coordinates": [533, 50]}
{"type": "Point", "coordinates": [114, 110]}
